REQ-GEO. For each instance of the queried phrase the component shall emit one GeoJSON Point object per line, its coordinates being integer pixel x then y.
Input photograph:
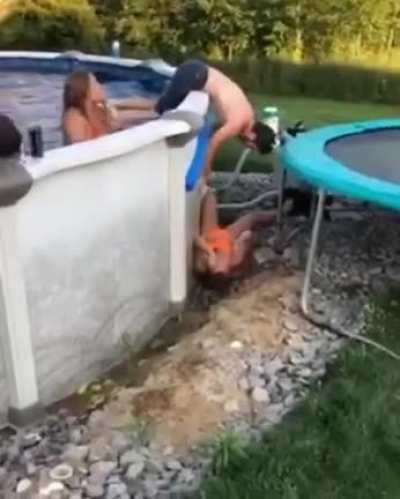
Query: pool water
{"type": "Point", "coordinates": [36, 99]}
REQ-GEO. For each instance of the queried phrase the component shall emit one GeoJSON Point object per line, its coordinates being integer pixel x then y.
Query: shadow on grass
{"type": "Point", "coordinates": [343, 442]}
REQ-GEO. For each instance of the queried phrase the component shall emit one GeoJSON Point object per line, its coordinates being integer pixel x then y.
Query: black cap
{"type": "Point", "coordinates": [10, 137]}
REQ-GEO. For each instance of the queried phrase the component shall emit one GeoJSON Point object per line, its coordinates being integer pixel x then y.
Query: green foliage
{"type": "Point", "coordinates": [108, 12]}
{"type": "Point", "coordinates": [249, 39]}
{"type": "Point", "coordinates": [151, 26]}
{"type": "Point", "coordinates": [227, 447]}
{"type": "Point", "coordinates": [223, 30]}
{"type": "Point", "coordinates": [330, 80]}
{"type": "Point", "coordinates": [51, 24]}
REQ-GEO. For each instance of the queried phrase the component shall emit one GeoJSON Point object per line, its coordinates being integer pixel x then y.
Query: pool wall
{"type": "Point", "coordinates": [97, 255]}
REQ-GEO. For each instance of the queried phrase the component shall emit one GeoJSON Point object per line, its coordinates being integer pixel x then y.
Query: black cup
{"type": "Point", "coordinates": [36, 141]}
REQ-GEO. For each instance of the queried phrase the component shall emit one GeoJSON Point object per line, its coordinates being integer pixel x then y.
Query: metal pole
{"type": "Point", "coordinates": [281, 199]}
{"type": "Point", "coordinates": [313, 250]}
{"type": "Point", "coordinates": [249, 204]}
{"type": "Point", "coordinates": [116, 48]}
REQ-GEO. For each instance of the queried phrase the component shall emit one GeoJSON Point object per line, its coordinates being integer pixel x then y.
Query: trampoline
{"type": "Point", "coordinates": [358, 160]}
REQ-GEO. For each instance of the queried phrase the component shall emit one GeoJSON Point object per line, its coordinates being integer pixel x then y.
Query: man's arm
{"type": "Point", "coordinates": [129, 117]}
{"type": "Point", "coordinates": [138, 103]}
{"type": "Point", "coordinates": [226, 132]}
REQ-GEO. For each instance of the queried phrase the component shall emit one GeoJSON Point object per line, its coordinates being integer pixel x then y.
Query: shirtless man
{"type": "Point", "coordinates": [232, 106]}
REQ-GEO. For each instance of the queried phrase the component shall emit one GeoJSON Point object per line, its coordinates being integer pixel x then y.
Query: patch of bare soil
{"type": "Point", "coordinates": [193, 386]}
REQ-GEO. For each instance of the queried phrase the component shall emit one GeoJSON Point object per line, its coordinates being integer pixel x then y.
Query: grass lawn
{"type": "Point", "coordinates": [343, 442]}
{"type": "Point", "coordinates": [314, 112]}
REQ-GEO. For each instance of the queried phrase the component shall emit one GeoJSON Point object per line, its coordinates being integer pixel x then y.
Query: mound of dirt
{"type": "Point", "coordinates": [193, 387]}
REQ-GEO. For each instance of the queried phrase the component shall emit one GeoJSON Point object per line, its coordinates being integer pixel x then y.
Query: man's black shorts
{"type": "Point", "coordinates": [189, 76]}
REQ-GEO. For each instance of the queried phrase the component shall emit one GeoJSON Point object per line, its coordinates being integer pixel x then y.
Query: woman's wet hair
{"type": "Point", "coordinates": [76, 90]}
{"type": "Point", "coordinates": [265, 137]}
{"type": "Point", "coordinates": [10, 137]}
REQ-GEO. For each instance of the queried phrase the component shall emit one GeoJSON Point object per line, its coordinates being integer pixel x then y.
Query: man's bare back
{"type": "Point", "coordinates": [237, 116]}
{"type": "Point", "coordinates": [229, 100]}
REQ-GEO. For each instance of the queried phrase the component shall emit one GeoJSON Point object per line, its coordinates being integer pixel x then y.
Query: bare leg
{"type": "Point", "coordinates": [209, 213]}
{"type": "Point", "coordinates": [129, 117]}
{"type": "Point", "coordinates": [241, 248]}
{"type": "Point", "coordinates": [251, 220]}
{"type": "Point", "coordinates": [138, 103]}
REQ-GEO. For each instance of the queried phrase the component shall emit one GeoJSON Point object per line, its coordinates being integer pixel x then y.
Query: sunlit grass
{"type": "Point", "coordinates": [342, 443]}
{"type": "Point", "coordinates": [314, 112]}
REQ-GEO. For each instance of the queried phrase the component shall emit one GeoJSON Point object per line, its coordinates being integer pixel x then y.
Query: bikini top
{"type": "Point", "coordinates": [219, 240]}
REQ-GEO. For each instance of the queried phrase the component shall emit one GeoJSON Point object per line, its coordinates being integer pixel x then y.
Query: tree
{"type": "Point", "coordinates": [108, 12]}
{"type": "Point", "coordinates": [219, 29]}
{"type": "Point", "coordinates": [51, 25]}
{"type": "Point", "coordinates": [150, 27]}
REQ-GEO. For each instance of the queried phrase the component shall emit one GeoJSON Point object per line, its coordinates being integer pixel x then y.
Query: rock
{"type": "Point", "coordinates": [231, 406]}
{"type": "Point", "coordinates": [23, 486]}
{"type": "Point", "coordinates": [31, 469]}
{"type": "Point", "coordinates": [289, 301]}
{"type": "Point", "coordinates": [75, 436]}
{"type": "Point", "coordinates": [75, 455]}
{"type": "Point", "coordinates": [13, 453]}
{"type": "Point", "coordinates": [256, 382]}
{"type": "Point", "coordinates": [275, 413]}
{"type": "Point", "coordinates": [101, 450]}
{"type": "Point", "coordinates": [30, 440]}
{"type": "Point", "coordinates": [51, 488]}
{"type": "Point", "coordinates": [3, 474]}
{"type": "Point", "coordinates": [120, 442]}
{"type": "Point", "coordinates": [260, 395]}
{"type": "Point", "coordinates": [186, 476]}
{"type": "Point", "coordinates": [103, 469]}
{"type": "Point", "coordinates": [169, 450]}
{"type": "Point", "coordinates": [10, 481]}
{"type": "Point", "coordinates": [306, 372]}
{"type": "Point", "coordinates": [244, 384]}
{"type": "Point", "coordinates": [296, 359]}
{"type": "Point", "coordinates": [134, 471]}
{"type": "Point", "coordinates": [290, 401]}
{"type": "Point", "coordinates": [208, 343]}
{"type": "Point", "coordinates": [151, 488]}
{"type": "Point", "coordinates": [94, 490]}
{"type": "Point", "coordinates": [285, 384]}
{"type": "Point", "coordinates": [116, 490]}
{"type": "Point", "coordinates": [264, 255]}
{"type": "Point", "coordinates": [273, 366]}
{"type": "Point", "coordinates": [95, 420]}
{"type": "Point", "coordinates": [290, 325]}
{"type": "Point", "coordinates": [61, 473]}
{"type": "Point", "coordinates": [236, 345]}
{"type": "Point", "coordinates": [174, 464]}
{"type": "Point", "coordinates": [131, 457]}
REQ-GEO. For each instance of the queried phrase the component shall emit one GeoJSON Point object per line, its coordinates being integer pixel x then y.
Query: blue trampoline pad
{"type": "Point", "coordinates": [359, 160]}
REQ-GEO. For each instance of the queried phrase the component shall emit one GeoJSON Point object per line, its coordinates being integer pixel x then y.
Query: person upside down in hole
{"type": "Point", "coordinates": [221, 251]}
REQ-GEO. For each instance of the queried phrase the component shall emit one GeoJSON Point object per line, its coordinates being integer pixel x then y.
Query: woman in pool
{"type": "Point", "coordinates": [219, 252]}
{"type": "Point", "coordinates": [88, 114]}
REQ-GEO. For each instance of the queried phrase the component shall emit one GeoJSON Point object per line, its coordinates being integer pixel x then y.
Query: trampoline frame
{"type": "Point", "coordinates": [318, 209]}
{"type": "Point", "coordinates": [305, 157]}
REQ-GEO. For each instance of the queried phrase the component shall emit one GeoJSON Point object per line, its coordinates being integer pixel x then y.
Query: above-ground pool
{"type": "Point", "coordinates": [95, 238]}
{"type": "Point", "coordinates": [33, 97]}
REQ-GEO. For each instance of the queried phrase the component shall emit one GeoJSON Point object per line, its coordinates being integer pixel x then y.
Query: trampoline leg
{"type": "Point", "coordinates": [313, 249]}
{"type": "Point", "coordinates": [281, 190]}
